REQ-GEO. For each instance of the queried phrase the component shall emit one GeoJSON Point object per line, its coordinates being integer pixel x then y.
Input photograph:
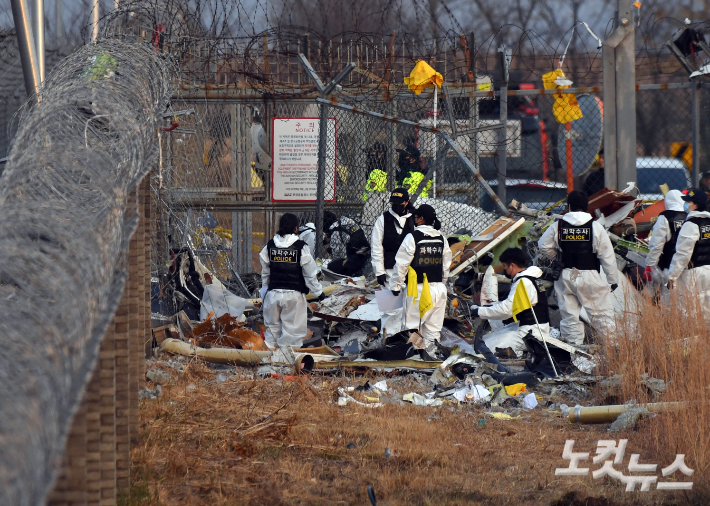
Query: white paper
{"type": "Point", "coordinates": [530, 401]}
{"type": "Point", "coordinates": [476, 393]}
{"type": "Point", "coordinates": [386, 301]}
{"type": "Point", "coordinates": [381, 386]}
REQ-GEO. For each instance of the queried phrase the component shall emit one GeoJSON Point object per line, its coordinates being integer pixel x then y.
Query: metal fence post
{"type": "Point", "coordinates": [503, 132]}
{"type": "Point", "coordinates": [695, 173]}
{"type": "Point", "coordinates": [320, 190]}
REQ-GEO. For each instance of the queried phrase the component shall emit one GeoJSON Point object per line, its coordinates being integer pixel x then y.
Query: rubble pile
{"type": "Point", "coordinates": [482, 363]}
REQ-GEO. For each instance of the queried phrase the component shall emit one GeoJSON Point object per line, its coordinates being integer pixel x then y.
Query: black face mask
{"type": "Point", "coordinates": [505, 273]}
{"type": "Point", "coordinates": [400, 209]}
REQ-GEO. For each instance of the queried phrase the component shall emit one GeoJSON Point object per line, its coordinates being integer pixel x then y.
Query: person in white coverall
{"type": "Point", "coordinates": [515, 264]}
{"type": "Point", "coordinates": [307, 233]}
{"type": "Point", "coordinates": [664, 236]}
{"type": "Point", "coordinates": [585, 246]}
{"type": "Point", "coordinates": [289, 273]}
{"type": "Point", "coordinates": [389, 231]}
{"type": "Point", "coordinates": [690, 266]}
{"type": "Point", "coordinates": [427, 251]}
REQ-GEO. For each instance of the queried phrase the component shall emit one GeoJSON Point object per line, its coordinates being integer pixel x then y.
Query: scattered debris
{"type": "Point", "coordinates": [147, 393]}
{"type": "Point", "coordinates": [420, 400]}
{"type": "Point", "coordinates": [629, 419]}
{"type": "Point", "coordinates": [157, 376]}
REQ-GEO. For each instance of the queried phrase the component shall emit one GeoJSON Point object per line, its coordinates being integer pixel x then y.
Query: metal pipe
{"type": "Point", "coordinates": [607, 414]}
{"type": "Point", "coordinates": [59, 21]}
{"type": "Point", "coordinates": [695, 169]}
{"type": "Point", "coordinates": [39, 27]}
{"type": "Point", "coordinates": [503, 133]}
{"type": "Point", "coordinates": [95, 22]}
{"type": "Point", "coordinates": [26, 43]}
{"type": "Point", "coordinates": [320, 190]}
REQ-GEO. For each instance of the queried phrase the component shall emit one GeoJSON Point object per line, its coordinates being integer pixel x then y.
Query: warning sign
{"type": "Point", "coordinates": [295, 162]}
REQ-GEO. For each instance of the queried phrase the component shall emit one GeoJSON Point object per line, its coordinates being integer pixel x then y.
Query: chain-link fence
{"type": "Point", "coordinates": [220, 185]}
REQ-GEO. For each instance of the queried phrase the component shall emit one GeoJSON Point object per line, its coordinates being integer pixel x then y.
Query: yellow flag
{"type": "Point", "coordinates": [425, 302]}
{"type": "Point", "coordinates": [412, 283]}
{"type": "Point", "coordinates": [423, 76]}
{"type": "Point", "coordinates": [566, 108]}
{"type": "Point", "coordinates": [521, 301]}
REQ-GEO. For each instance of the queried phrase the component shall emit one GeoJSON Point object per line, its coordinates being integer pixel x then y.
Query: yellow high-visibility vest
{"type": "Point", "coordinates": [412, 181]}
{"type": "Point", "coordinates": [376, 182]}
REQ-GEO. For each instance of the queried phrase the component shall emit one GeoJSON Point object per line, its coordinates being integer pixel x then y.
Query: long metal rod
{"type": "Point", "coordinates": [695, 170]}
{"type": "Point", "coordinates": [39, 30]}
{"type": "Point", "coordinates": [26, 43]}
{"type": "Point", "coordinates": [198, 94]}
{"type": "Point", "coordinates": [474, 170]}
{"type": "Point", "coordinates": [95, 22]}
{"type": "Point", "coordinates": [332, 102]}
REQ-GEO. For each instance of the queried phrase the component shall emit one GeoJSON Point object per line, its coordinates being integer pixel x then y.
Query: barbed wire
{"type": "Point", "coordinates": [64, 235]}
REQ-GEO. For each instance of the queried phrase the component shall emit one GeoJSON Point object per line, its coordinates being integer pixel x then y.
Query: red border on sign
{"type": "Point", "coordinates": [335, 159]}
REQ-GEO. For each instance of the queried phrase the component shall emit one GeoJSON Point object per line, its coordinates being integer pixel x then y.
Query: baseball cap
{"type": "Point", "coordinates": [399, 195]}
{"type": "Point", "coordinates": [427, 212]}
{"type": "Point", "coordinates": [696, 195]}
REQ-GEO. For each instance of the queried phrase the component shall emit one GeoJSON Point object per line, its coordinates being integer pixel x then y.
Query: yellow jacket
{"type": "Point", "coordinates": [376, 182]}
{"type": "Point", "coordinates": [412, 181]}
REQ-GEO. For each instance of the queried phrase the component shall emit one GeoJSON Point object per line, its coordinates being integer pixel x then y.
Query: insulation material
{"type": "Point", "coordinates": [218, 300]}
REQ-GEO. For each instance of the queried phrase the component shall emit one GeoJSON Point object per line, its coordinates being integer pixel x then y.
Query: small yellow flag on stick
{"type": "Point", "coordinates": [521, 301]}
{"type": "Point", "coordinates": [423, 76]}
{"type": "Point", "coordinates": [566, 108]}
{"type": "Point", "coordinates": [412, 283]}
{"type": "Point", "coordinates": [425, 302]}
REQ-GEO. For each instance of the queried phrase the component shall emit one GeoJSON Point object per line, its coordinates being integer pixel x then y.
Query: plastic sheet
{"type": "Point", "coordinates": [220, 301]}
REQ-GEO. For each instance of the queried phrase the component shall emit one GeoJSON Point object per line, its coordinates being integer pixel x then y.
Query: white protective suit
{"type": "Point", "coordinates": [660, 235]}
{"type": "Point", "coordinates": [584, 289]}
{"type": "Point", "coordinates": [504, 310]}
{"type": "Point", "coordinates": [307, 233]}
{"type": "Point", "coordinates": [376, 249]}
{"type": "Point", "coordinates": [694, 283]}
{"type": "Point", "coordinates": [434, 318]}
{"type": "Point", "coordinates": [285, 311]}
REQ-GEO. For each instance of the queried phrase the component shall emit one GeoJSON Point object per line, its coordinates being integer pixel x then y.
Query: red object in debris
{"type": "Point", "coordinates": [647, 274]}
{"type": "Point", "coordinates": [173, 126]}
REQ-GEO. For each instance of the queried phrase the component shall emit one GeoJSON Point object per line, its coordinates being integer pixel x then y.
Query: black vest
{"type": "Point", "coordinates": [428, 257]}
{"type": "Point", "coordinates": [577, 245]}
{"type": "Point", "coordinates": [701, 252]}
{"type": "Point", "coordinates": [285, 264]}
{"type": "Point", "coordinates": [675, 221]}
{"type": "Point", "coordinates": [541, 310]}
{"type": "Point", "coordinates": [392, 240]}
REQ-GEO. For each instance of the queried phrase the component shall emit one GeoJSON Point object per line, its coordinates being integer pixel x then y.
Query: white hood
{"type": "Point", "coordinates": [306, 227]}
{"type": "Point", "coordinates": [577, 218]}
{"type": "Point", "coordinates": [673, 201]}
{"type": "Point", "coordinates": [428, 230]}
{"type": "Point", "coordinates": [285, 242]}
{"type": "Point", "coordinates": [699, 214]}
{"type": "Point", "coordinates": [533, 271]}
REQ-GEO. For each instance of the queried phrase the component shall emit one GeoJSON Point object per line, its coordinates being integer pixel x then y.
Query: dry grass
{"type": "Point", "coordinates": [272, 442]}
{"type": "Point", "coordinates": [671, 342]}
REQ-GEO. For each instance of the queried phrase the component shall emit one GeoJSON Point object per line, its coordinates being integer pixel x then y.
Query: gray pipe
{"type": "Point", "coordinates": [25, 41]}
{"type": "Point", "coordinates": [39, 26]}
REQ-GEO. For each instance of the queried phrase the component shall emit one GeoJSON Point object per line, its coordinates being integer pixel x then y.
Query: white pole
{"type": "Point", "coordinates": [39, 29]}
{"type": "Point", "coordinates": [95, 17]}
